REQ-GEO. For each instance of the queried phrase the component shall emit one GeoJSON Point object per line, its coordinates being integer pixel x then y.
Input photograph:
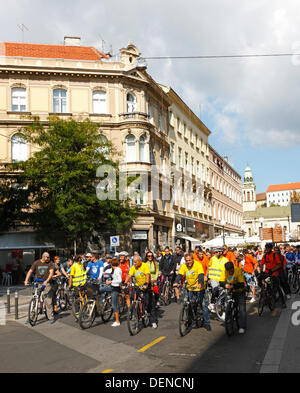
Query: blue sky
{"type": "Point", "coordinates": [250, 105]}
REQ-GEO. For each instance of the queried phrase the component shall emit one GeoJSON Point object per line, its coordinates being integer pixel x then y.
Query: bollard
{"type": "Point", "coordinates": [8, 301]}
{"type": "Point", "coordinates": [16, 305]}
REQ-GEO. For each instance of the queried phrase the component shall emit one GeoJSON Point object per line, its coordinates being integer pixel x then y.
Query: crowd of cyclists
{"type": "Point", "coordinates": [239, 271]}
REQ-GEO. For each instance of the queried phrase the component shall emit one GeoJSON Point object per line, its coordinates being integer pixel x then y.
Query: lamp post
{"type": "Point", "coordinates": [261, 220]}
{"type": "Point", "coordinates": [223, 222]}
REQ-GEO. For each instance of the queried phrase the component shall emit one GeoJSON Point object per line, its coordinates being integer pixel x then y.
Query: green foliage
{"type": "Point", "coordinates": [54, 190]}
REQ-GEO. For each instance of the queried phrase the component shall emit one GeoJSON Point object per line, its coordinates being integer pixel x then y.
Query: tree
{"type": "Point", "coordinates": [295, 197]}
{"type": "Point", "coordinates": [54, 191]}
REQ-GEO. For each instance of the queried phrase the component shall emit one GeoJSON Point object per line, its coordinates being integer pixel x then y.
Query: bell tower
{"type": "Point", "coordinates": [249, 191]}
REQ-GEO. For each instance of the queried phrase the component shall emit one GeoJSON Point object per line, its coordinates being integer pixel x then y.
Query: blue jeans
{"type": "Point", "coordinates": [203, 303]}
{"type": "Point", "coordinates": [114, 296]}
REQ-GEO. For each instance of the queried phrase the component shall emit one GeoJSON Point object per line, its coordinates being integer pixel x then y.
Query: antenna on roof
{"type": "Point", "coordinates": [22, 27]}
{"type": "Point", "coordinates": [105, 45]}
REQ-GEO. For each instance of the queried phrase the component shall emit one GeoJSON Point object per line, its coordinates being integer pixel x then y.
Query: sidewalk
{"type": "Point", "coordinates": [282, 355]}
{"type": "Point", "coordinates": [24, 297]}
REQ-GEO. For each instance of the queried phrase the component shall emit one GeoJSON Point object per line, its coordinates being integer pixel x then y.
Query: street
{"type": "Point", "coordinates": [64, 347]}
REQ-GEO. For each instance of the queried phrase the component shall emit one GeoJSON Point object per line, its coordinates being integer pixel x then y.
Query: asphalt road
{"type": "Point", "coordinates": [64, 347]}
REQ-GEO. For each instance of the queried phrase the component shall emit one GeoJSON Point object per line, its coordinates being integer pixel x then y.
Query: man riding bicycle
{"type": "Point", "coordinates": [233, 279]}
{"type": "Point", "coordinates": [194, 274]}
{"type": "Point", "coordinates": [43, 269]}
{"type": "Point", "coordinates": [215, 271]}
{"type": "Point", "coordinates": [141, 272]}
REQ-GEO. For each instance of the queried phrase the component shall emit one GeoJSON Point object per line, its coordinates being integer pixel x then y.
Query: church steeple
{"type": "Point", "coordinates": [249, 191]}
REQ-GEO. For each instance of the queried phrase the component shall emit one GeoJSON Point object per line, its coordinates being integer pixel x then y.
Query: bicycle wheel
{"type": "Point", "coordinates": [185, 320]}
{"type": "Point", "coordinates": [166, 292]}
{"type": "Point", "coordinates": [87, 314]}
{"type": "Point", "coordinates": [133, 319]}
{"type": "Point", "coordinates": [220, 308]}
{"type": "Point", "coordinates": [271, 301]}
{"type": "Point", "coordinates": [199, 317]}
{"type": "Point", "coordinates": [261, 303]}
{"type": "Point", "coordinates": [33, 311]}
{"type": "Point", "coordinates": [107, 310]}
{"type": "Point", "coordinates": [294, 284]}
{"type": "Point", "coordinates": [122, 304]}
{"type": "Point", "coordinates": [62, 300]}
{"type": "Point", "coordinates": [76, 306]}
{"type": "Point", "coordinates": [229, 320]}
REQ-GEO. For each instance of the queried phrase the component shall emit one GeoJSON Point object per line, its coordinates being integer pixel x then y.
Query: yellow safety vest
{"type": "Point", "coordinates": [216, 268]}
{"type": "Point", "coordinates": [78, 274]}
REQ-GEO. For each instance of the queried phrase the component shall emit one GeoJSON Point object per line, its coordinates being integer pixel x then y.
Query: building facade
{"type": "Point", "coordinates": [77, 81]}
{"type": "Point", "coordinates": [226, 200]}
{"type": "Point", "coordinates": [189, 158]}
{"type": "Point", "coordinates": [280, 194]}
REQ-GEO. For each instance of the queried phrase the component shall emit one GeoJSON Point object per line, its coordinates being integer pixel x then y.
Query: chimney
{"type": "Point", "coordinates": [72, 41]}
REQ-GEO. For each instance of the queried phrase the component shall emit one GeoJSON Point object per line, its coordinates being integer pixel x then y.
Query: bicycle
{"type": "Point", "coordinates": [167, 292]}
{"type": "Point", "coordinates": [137, 315]}
{"type": "Point", "coordinates": [266, 296]}
{"type": "Point", "coordinates": [92, 309]}
{"type": "Point", "coordinates": [293, 278]}
{"type": "Point", "coordinates": [190, 314]}
{"type": "Point", "coordinates": [231, 313]}
{"type": "Point", "coordinates": [221, 305]}
{"type": "Point", "coordinates": [37, 304]}
{"type": "Point", "coordinates": [62, 294]}
{"type": "Point", "coordinates": [79, 297]}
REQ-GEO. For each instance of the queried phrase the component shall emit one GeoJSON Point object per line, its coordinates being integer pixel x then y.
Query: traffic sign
{"type": "Point", "coordinates": [114, 241]}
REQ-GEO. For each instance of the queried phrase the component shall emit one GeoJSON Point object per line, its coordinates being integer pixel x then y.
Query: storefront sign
{"type": "Point", "coordinates": [139, 235]}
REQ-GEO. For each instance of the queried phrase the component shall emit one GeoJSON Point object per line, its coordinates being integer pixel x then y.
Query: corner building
{"type": "Point", "coordinates": [75, 81]}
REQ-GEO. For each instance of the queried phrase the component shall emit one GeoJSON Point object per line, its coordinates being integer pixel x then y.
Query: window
{"type": "Point", "coordinates": [180, 157]}
{"type": "Point", "coordinates": [131, 103]}
{"type": "Point", "coordinates": [150, 113]}
{"type": "Point", "coordinates": [105, 148]}
{"type": "Point", "coordinates": [192, 165]}
{"type": "Point", "coordinates": [142, 148]}
{"type": "Point", "coordinates": [160, 122]}
{"type": "Point", "coordinates": [19, 151]}
{"type": "Point", "coordinates": [172, 151]}
{"type": "Point", "coordinates": [140, 195]}
{"type": "Point", "coordinates": [130, 149]}
{"type": "Point", "coordinates": [99, 102]}
{"type": "Point", "coordinates": [186, 161]}
{"type": "Point", "coordinates": [18, 99]}
{"type": "Point", "coordinates": [59, 101]}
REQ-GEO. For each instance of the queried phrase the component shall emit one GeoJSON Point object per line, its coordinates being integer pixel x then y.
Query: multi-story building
{"type": "Point", "coordinates": [75, 81]}
{"type": "Point", "coordinates": [280, 194]}
{"type": "Point", "coordinates": [189, 155]}
{"type": "Point", "coordinates": [226, 200]}
{"type": "Point", "coordinates": [249, 191]}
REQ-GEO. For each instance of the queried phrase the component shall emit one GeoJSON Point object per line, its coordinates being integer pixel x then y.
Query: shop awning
{"type": "Point", "coordinates": [22, 241]}
{"type": "Point", "coordinates": [189, 238]}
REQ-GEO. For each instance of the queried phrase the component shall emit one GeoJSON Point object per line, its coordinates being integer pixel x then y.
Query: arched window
{"type": "Point", "coordinates": [131, 103]}
{"type": "Point", "coordinates": [99, 102]}
{"type": "Point", "coordinates": [103, 149]}
{"type": "Point", "coordinates": [142, 148]}
{"type": "Point", "coordinates": [59, 101]}
{"type": "Point", "coordinates": [19, 151]}
{"type": "Point", "coordinates": [130, 148]}
{"type": "Point", "coordinates": [18, 99]}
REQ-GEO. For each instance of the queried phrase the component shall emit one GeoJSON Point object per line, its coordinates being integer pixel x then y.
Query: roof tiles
{"type": "Point", "coordinates": [50, 51]}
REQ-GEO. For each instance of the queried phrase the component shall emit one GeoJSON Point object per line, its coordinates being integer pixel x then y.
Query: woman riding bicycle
{"type": "Point", "coordinates": [154, 270]}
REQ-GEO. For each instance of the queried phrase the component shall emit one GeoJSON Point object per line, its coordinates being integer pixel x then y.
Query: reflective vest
{"type": "Point", "coordinates": [216, 268]}
{"type": "Point", "coordinates": [79, 275]}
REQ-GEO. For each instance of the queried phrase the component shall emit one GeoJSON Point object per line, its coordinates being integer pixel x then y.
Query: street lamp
{"type": "Point", "coordinates": [223, 222]}
{"type": "Point", "coordinates": [261, 220]}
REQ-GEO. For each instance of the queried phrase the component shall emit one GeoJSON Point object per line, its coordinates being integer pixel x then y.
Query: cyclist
{"type": "Point", "coordinates": [95, 268]}
{"type": "Point", "coordinates": [283, 273]}
{"type": "Point", "coordinates": [141, 272]}
{"type": "Point", "coordinates": [66, 267]}
{"type": "Point", "coordinates": [234, 280]}
{"type": "Point", "coordinates": [179, 258]}
{"type": "Point", "coordinates": [43, 269]}
{"type": "Point", "coordinates": [54, 282]}
{"type": "Point", "coordinates": [228, 254]}
{"type": "Point", "coordinates": [113, 286]}
{"type": "Point", "coordinates": [77, 273]}
{"type": "Point", "coordinates": [154, 270]}
{"type": "Point", "coordinates": [167, 266]}
{"type": "Point", "coordinates": [199, 256]}
{"type": "Point", "coordinates": [194, 274]}
{"type": "Point", "coordinates": [250, 266]}
{"type": "Point", "coordinates": [125, 267]}
{"type": "Point", "coordinates": [215, 270]}
{"type": "Point", "coordinates": [272, 264]}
